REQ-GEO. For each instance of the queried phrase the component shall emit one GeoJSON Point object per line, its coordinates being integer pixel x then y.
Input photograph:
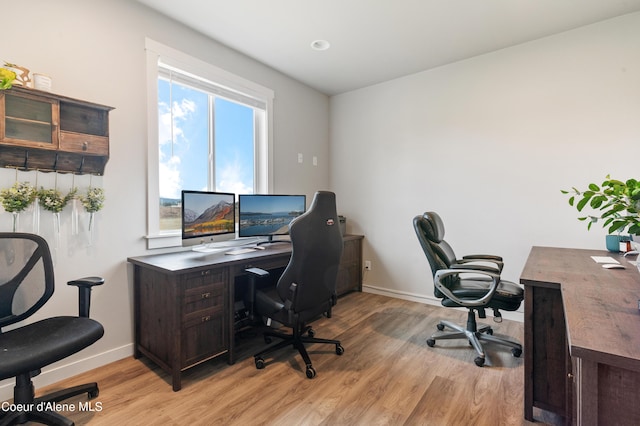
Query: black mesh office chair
{"type": "Point", "coordinates": [26, 283]}
{"type": "Point", "coordinates": [307, 287]}
{"type": "Point", "coordinates": [472, 282]}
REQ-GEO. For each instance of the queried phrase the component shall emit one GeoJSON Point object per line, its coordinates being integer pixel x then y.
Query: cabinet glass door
{"type": "Point", "coordinates": [28, 120]}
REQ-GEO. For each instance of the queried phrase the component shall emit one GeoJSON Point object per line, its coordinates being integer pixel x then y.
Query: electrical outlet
{"type": "Point", "coordinates": [367, 265]}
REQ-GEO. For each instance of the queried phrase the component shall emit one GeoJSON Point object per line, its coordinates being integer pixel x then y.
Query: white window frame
{"type": "Point", "coordinates": [157, 53]}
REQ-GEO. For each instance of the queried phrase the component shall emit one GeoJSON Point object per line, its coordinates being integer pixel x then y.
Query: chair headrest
{"type": "Point", "coordinates": [435, 230]}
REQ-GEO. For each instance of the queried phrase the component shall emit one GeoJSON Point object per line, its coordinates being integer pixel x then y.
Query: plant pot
{"type": "Point", "coordinates": [613, 243]}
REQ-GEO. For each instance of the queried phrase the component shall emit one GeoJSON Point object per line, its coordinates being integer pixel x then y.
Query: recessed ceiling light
{"type": "Point", "coordinates": [320, 45]}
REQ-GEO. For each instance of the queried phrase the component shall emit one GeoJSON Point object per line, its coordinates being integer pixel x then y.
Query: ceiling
{"type": "Point", "coordinates": [378, 40]}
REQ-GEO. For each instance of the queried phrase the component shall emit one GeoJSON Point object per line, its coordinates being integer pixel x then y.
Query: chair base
{"type": "Point", "coordinates": [24, 395]}
{"type": "Point", "coordinates": [474, 336]}
{"type": "Point", "coordinates": [297, 340]}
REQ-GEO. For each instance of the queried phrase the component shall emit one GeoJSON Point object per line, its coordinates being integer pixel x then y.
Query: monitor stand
{"type": "Point", "coordinates": [271, 241]}
{"type": "Point", "coordinates": [206, 248]}
{"type": "Point", "coordinates": [220, 246]}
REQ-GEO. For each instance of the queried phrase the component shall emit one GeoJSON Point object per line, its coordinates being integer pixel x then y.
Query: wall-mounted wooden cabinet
{"type": "Point", "coordinates": [48, 132]}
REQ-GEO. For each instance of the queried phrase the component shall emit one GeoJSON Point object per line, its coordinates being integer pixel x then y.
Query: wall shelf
{"type": "Point", "coordinates": [52, 133]}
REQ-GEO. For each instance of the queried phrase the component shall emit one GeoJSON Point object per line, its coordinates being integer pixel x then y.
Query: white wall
{"type": "Point", "coordinates": [488, 143]}
{"type": "Point", "coordinates": [94, 50]}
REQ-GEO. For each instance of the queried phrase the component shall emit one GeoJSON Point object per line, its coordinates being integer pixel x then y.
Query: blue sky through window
{"type": "Point", "coordinates": [184, 153]}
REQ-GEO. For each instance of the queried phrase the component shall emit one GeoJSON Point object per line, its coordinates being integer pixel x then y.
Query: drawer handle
{"type": "Point", "coordinates": [206, 295]}
{"type": "Point", "coordinates": [206, 272]}
{"type": "Point", "coordinates": [85, 145]}
{"type": "Point", "coordinates": [206, 318]}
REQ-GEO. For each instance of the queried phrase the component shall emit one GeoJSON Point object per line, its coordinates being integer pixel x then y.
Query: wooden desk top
{"type": "Point", "coordinates": [185, 261]}
{"type": "Point", "coordinates": [601, 305]}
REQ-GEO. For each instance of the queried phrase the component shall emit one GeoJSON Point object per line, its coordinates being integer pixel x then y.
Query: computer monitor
{"type": "Point", "coordinates": [268, 215]}
{"type": "Point", "coordinates": [207, 217]}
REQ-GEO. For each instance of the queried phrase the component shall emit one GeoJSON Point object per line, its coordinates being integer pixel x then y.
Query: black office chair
{"type": "Point", "coordinates": [26, 283]}
{"type": "Point", "coordinates": [307, 287]}
{"type": "Point", "coordinates": [472, 282]}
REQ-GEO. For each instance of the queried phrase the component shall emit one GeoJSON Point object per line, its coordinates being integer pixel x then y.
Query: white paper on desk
{"type": "Point", "coordinates": [604, 259]}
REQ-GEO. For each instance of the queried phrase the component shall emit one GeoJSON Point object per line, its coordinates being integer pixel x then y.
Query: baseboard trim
{"type": "Point", "coordinates": [431, 300]}
{"type": "Point", "coordinates": [64, 371]}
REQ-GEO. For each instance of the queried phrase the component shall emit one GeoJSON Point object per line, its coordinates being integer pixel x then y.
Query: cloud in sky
{"type": "Point", "coordinates": [230, 179]}
{"type": "Point", "coordinates": [169, 167]}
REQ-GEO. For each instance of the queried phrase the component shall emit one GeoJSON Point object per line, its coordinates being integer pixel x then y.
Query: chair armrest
{"type": "Point", "coordinates": [477, 267]}
{"type": "Point", "coordinates": [484, 259]}
{"type": "Point", "coordinates": [443, 273]}
{"type": "Point", "coordinates": [257, 272]}
{"type": "Point", "coordinates": [84, 292]}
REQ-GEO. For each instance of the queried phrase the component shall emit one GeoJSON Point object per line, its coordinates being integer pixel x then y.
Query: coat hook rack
{"type": "Point", "coordinates": [26, 159]}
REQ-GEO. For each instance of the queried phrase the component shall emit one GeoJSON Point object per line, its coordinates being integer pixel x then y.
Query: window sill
{"type": "Point", "coordinates": [163, 241]}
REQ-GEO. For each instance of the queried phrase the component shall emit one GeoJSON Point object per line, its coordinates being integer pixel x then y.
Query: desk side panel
{"type": "Point", "coordinates": [158, 331]}
{"type": "Point", "coordinates": [546, 351]}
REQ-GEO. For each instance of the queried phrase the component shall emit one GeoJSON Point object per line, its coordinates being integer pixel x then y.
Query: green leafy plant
{"type": "Point", "coordinates": [93, 200]}
{"type": "Point", "coordinates": [6, 78]}
{"type": "Point", "coordinates": [614, 201]}
{"type": "Point", "coordinates": [53, 200]}
{"type": "Point", "coordinates": [18, 197]}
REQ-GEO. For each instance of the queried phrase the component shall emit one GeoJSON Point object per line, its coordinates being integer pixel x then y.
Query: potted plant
{"type": "Point", "coordinates": [16, 199]}
{"type": "Point", "coordinates": [615, 202]}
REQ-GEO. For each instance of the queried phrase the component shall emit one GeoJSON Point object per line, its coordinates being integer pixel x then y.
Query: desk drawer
{"type": "Point", "coordinates": [204, 335]}
{"type": "Point", "coordinates": [202, 278]}
{"type": "Point", "coordinates": [207, 296]}
{"type": "Point", "coordinates": [202, 316]}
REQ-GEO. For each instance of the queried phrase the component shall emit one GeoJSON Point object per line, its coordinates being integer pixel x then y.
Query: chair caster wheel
{"type": "Point", "coordinates": [440, 327]}
{"type": "Point", "coordinates": [339, 350]}
{"type": "Point", "coordinates": [311, 372]}
{"type": "Point", "coordinates": [479, 361]}
{"type": "Point", "coordinates": [489, 331]}
{"type": "Point", "coordinates": [93, 394]}
{"type": "Point", "coordinates": [516, 352]}
{"type": "Point", "coordinates": [311, 333]}
{"type": "Point", "coordinates": [259, 363]}
{"type": "Point", "coordinates": [431, 343]}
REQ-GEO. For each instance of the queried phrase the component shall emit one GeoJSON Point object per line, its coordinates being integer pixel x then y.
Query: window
{"type": "Point", "coordinates": [208, 130]}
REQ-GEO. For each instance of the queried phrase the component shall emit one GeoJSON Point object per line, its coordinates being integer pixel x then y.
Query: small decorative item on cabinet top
{"type": "Point", "coordinates": [23, 75]}
{"type": "Point", "coordinates": [7, 77]}
{"type": "Point", "coordinates": [41, 82]}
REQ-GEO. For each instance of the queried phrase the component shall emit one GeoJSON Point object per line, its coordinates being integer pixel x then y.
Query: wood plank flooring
{"type": "Point", "coordinates": [387, 376]}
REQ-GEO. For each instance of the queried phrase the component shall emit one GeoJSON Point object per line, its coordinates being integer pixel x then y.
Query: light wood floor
{"type": "Point", "coordinates": [387, 376]}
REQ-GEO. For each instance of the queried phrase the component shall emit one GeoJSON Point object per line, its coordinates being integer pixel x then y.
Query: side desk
{"type": "Point", "coordinates": [183, 301]}
{"type": "Point", "coordinates": [582, 337]}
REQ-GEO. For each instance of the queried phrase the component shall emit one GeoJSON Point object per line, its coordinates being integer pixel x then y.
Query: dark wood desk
{"type": "Point", "coordinates": [183, 302]}
{"type": "Point", "coordinates": [582, 337]}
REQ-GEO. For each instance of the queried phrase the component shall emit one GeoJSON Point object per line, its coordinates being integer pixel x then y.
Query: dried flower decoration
{"type": "Point", "coordinates": [52, 199]}
{"type": "Point", "coordinates": [18, 197]}
{"type": "Point", "coordinates": [93, 200]}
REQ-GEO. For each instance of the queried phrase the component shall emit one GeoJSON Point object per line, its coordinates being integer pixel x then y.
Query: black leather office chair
{"type": "Point", "coordinates": [472, 282]}
{"type": "Point", "coordinates": [26, 283]}
{"type": "Point", "coordinates": [307, 287]}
